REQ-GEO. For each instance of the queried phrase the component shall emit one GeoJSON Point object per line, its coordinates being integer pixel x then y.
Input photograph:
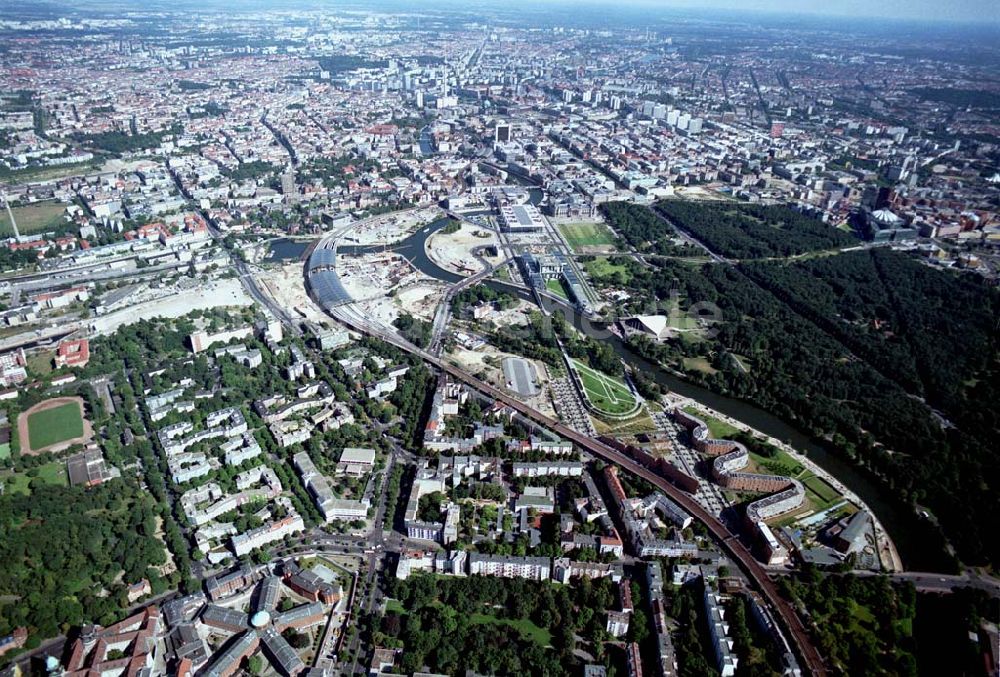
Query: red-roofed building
{"type": "Point", "coordinates": [24, 246]}
{"type": "Point", "coordinates": [15, 640]}
{"type": "Point", "coordinates": [614, 484]}
{"type": "Point", "coordinates": [153, 231]}
{"type": "Point", "coordinates": [60, 299]}
{"type": "Point", "coordinates": [193, 223]}
{"type": "Point", "coordinates": [65, 243]}
{"type": "Point", "coordinates": [134, 639]}
{"type": "Point", "coordinates": [383, 130]}
{"type": "Point", "coordinates": [73, 353]}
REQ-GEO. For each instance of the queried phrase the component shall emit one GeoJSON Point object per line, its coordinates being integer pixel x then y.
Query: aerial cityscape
{"type": "Point", "coordinates": [527, 338]}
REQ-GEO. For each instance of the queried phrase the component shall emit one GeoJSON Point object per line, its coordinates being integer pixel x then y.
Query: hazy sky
{"type": "Point", "coordinates": [930, 10]}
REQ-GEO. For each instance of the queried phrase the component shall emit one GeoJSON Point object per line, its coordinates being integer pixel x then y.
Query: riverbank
{"type": "Point", "coordinates": [902, 527]}
{"type": "Point", "coordinates": [888, 555]}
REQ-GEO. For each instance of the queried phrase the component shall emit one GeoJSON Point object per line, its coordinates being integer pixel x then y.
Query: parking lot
{"type": "Point", "coordinates": [709, 495]}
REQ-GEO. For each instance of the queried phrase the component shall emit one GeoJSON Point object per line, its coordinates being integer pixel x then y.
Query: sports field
{"type": "Point", "coordinates": [54, 425]}
{"type": "Point", "coordinates": [605, 394]}
{"type": "Point", "coordinates": [33, 218]}
{"type": "Point", "coordinates": [579, 235]}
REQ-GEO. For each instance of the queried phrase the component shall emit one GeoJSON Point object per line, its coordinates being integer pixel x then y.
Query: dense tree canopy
{"type": "Point", "coordinates": [817, 359]}
{"type": "Point", "coordinates": [62, 546]}
{"type": "Point", "coordinates": [458, 624]}
{"type": "Point", "coordinates": [862, 626]}
{"type": "Point", "coordinates": [750, 231]}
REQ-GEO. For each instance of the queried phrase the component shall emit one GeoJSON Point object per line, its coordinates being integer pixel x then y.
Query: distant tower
{"type": "Point", "coordinates": [13, 223]}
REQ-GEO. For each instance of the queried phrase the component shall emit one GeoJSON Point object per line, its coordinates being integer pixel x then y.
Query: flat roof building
{"type": "Point", "coordinates": [520, 218]}
{"type": "Point", "coordinates": [356, 461]}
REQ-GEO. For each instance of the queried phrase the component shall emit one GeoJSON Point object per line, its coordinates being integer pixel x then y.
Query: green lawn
{"type": "Point", "coordinates": [33, 218]}
{"type": "Point", "coordinates": [640, 423]}
{"type": "Point", "coordinates": [606, 394]}
{"type": "Point", "coordinates": [40, 363]}
{"type": "Point", "coordinates": [822, 493]}
{"type": "Point", "coordinates": [4, 450]}
{"type": "Point", "coordinates": [699, 364]}
{"type": "Point", "coordinates": [51, 473]}
{"type": "Point", "coordinates": [525, 626]}
{"type": "Point", "coordinates": [55, 425]}
{"type": "Point", "coordinates": [601, 269]}
{"type": "Point", "coordinates": [781, 464]}
{"type": "Point", "coordinates": [586, 235]}
{"type": "Point", "coordinates": [48, 173]}
{"type": "Point", "coordinates": [556, 287]}
{"type": "Point", "coordinates": [720, 430]}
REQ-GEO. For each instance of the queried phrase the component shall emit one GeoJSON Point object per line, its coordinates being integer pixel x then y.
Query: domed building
{"type": "Point", "coordinates": [883, 225]}
{"type": "Point", "coordinates": [886, 219]}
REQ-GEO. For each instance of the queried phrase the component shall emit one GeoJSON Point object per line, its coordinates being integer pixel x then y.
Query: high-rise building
{"type": "Point", "coordinates": [502, 132]}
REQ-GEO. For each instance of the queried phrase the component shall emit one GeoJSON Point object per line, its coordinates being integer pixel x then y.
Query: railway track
{"type": "Point", "coordinates": [729, 542]}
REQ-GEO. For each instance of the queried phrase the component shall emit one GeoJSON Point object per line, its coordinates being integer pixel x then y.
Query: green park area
{"type": "Point", "coordinates": [33, 218]}
{"type": "Point", "coordinates": [819, 491]}
{"type": "Point", "coordinates": [50, 473]}
{"type": "Point", "coordinates": [55, 425]}
{"type": "Point", "coordinates": [606, 395]}
{"type": "Point", "coordinates": [701, 364]}
{"type": "Point", "coordinates": [579, 235]}
{"type": "Point", "coordinates": [47, 173]}
{"type": "Point", "coordinates": [719, 429]}
{"type": "Point", "coordinates": [525, 626]}
{"type": "Point", "coordinates": [603, 271]}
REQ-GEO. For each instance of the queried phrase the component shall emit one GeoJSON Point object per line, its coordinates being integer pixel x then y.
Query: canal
{"type": "Point", "coordinates": [286, 249]}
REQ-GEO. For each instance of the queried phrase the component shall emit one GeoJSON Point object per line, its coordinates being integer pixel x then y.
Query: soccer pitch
{"type": "Point", "coordinates": [606, 394]}
{"type": "Point", "coordinates": [58, 424]}
{"type": "Point", "coordinates": [586, 234]}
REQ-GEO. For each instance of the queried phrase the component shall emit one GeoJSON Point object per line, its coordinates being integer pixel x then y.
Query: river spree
{"type": "Point", "coordinates": [910, 535]}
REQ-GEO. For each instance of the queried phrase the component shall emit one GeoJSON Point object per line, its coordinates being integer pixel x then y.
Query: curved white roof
{"type": "Point", "coordinates": [886, 216]}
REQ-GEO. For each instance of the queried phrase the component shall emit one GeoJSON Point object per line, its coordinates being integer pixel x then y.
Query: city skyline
{"type": "Point", "coordinates": [508, 338]}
